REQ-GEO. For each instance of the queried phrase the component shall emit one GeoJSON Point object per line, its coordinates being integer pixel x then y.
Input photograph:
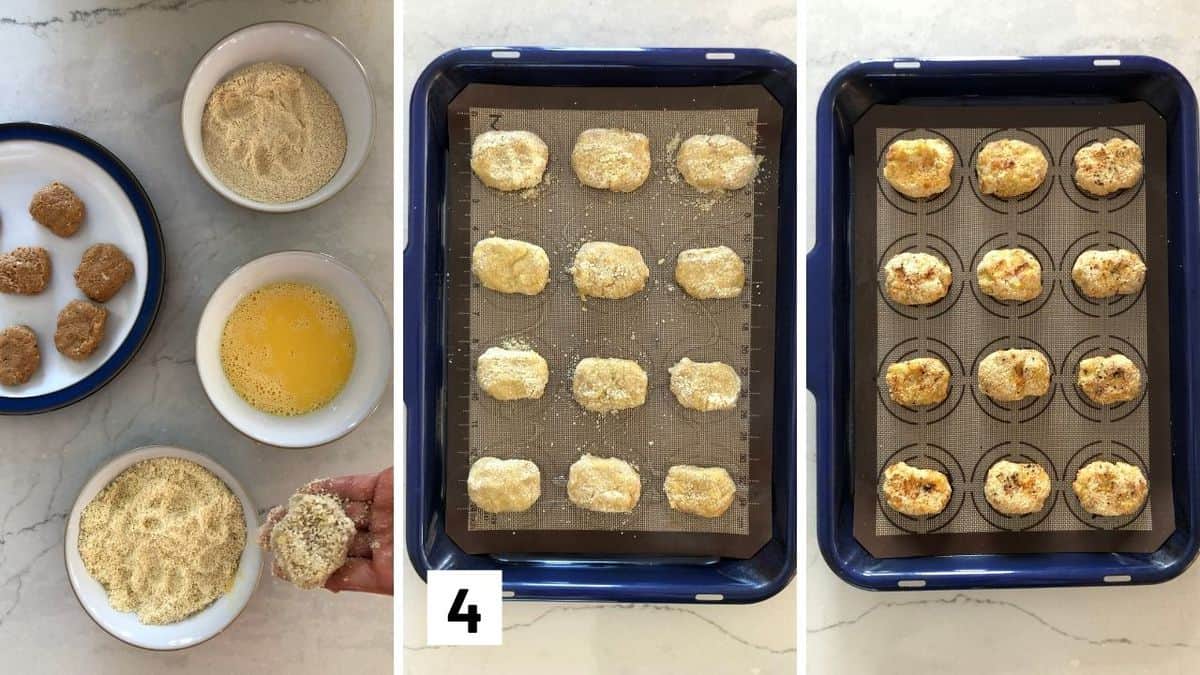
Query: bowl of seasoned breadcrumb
{"type": "Point", "coordinates": [278, 116]}
{"type": "Point", "coordinates": [159, 548]}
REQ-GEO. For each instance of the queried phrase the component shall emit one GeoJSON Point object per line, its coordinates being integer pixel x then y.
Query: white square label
{"type": "Point", "coordinates": [463, 608]}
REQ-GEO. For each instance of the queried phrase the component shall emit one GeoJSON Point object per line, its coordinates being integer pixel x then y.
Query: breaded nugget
{"type": "Point", "coordinates": [1110, 488]}
{"type": "Point", "coordinates": [1103, 274]}
{"type": "Point", "coordinates": [19, 355]}
{"type": "Point", "coordinates": [1010, 274]}
{"type": "Point", "coordinates": [1013, 374]}
{"type": "Point", "coordinates": [512, 374]}
{"type": "Point", "coordinates": [608, 385]}
{"type": "Point", "coordinates": [25, 270]}
{"type": "Point", "coordinates": [1016, 489]}
{"type": "Point", "coordinates": [604, 484]}
{"type": "Point", "coordinates": [1110, 379]}
{"type": "Point", "coordinates": [1104, 168]}
{"type": "Point", "coordinates": [701, 491]}
{"type": "Point", "coordinates": [80, 329]}
{"type": "Point", "coordinates": [916, 492]}
{"type": "Point", "coordinates": [504, 485]}
{"type": "Point", "coordinates": [1010, 168]}
{"type": "Point", "coordinates": [916, 278]}
{"type": "Point", "coordinates": [716, 162]}
{"type": "Point", "coordinates": [58, 208]}
{"type": "Point", "coordinates": [310, 541]}
{"type": "Point", "coordinates": [709, 273]}
{"type": "Point", "coordinates": [102, 272]}
{"type": "Point", "coordinates": [919, 167]}
{"type": "Point", "coordinates": [509, 160]}
{"type": "Point", "coordinates": [918, 382]}
{"type": "Point", "coordinates": [705, 386]}
{"type": "Point", "coordinates": [602, 269]}
{"type": "Point", "coordinates": [611, 159]}
{"type": "Point", "coordinates": [510, 265]}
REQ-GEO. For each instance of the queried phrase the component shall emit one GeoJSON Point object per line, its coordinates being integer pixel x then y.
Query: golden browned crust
{"type": "Point", "coordinates": [916, 492]}
{"type": "Point", "coordinates": [916, 278]}
{"type": "Point", "coordinates": [1013, 374]}
{"type": "Point", "coordinates": [1102, 169]}
{"type": "Point", "coordinates": [918, 382]}
{"type": "Point", "coordinates": [1110, 488]}
{"type": "Point", "coordinates": [1109, 379]}
{"type": "Point", "coordinates": [919, 168]}
{"type": "Point", "coordinates": [1010, 168]}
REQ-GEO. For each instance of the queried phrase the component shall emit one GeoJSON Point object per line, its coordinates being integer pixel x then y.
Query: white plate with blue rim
{"type": "Point", "coordinates": [119, 212]}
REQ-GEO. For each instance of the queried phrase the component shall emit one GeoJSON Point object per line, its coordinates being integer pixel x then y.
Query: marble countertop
{"type": "Point", "coordinates": [1146, 629]}
{"type": "Point", "coordinates": [116, 72]}
{"type": "Point", "coordinates": [544, 637]}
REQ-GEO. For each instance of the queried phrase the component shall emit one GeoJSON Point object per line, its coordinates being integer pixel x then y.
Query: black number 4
{"type": "Point", "coordinates": [471, 617]}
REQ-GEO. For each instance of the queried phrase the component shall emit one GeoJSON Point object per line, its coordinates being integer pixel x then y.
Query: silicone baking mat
{"type": "Point", "coordinates": [656, 327]}
{"type": "Point", "coordinates": [967, 433]}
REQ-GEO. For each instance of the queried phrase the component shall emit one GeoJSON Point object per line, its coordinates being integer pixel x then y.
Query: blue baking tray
{"type": "Point", "coordinates": [579, 577]}
{"type": "Point", "coordinates": [1031, 80]}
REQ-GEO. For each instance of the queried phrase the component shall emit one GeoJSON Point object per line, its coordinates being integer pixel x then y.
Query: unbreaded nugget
{"type": "Point", "coordinates": [19, 355]}
{"type": "Point", "coordinates": [80, 329]}
{"type": "Point", "coordinates": [102, 272]}
{"type": "Point", "coordinates": [25, 270]}
{"type": "Point", "coordinates": [58, 208]}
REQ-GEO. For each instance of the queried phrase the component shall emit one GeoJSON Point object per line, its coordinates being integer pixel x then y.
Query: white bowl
{"type": "Point", "coordinates": [125, 625]}
{"type": "Point", "coordinates": [293, 44]}
{"type": "Point", "coordinates": [372, 359]}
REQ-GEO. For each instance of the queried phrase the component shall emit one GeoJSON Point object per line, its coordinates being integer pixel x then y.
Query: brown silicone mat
{"type": "Point", "coordinates": [656, 327]}
{"type": "Point", "coordinates": [967, 433]}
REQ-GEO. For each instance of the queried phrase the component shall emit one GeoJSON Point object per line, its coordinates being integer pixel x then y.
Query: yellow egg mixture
{"type": "Point", "coordinates": [287, 348]}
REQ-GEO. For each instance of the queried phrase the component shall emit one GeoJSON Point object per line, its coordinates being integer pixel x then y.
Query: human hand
{"type": "Point", "coordinates": [367, 499]}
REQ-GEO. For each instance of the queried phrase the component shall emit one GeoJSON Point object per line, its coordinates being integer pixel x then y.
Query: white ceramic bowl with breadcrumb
{"type": "Point", "coordinates": [325, 58]}
{"type": "Point", "coordinates": [125, 625]}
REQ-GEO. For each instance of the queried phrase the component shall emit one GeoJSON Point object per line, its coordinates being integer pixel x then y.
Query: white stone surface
{"type": "Point", "coordinates": [593, 638]}
{"type": "Point", "coordinates": [1147, 629]}
{"type": "Point", "coordinates": [116, 73]}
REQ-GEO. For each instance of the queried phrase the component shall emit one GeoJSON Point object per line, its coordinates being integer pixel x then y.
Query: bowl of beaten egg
{"type": "Point", "coordinates": [294, 350]}
{"type": "Point", "coordinates": [164, 581]}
